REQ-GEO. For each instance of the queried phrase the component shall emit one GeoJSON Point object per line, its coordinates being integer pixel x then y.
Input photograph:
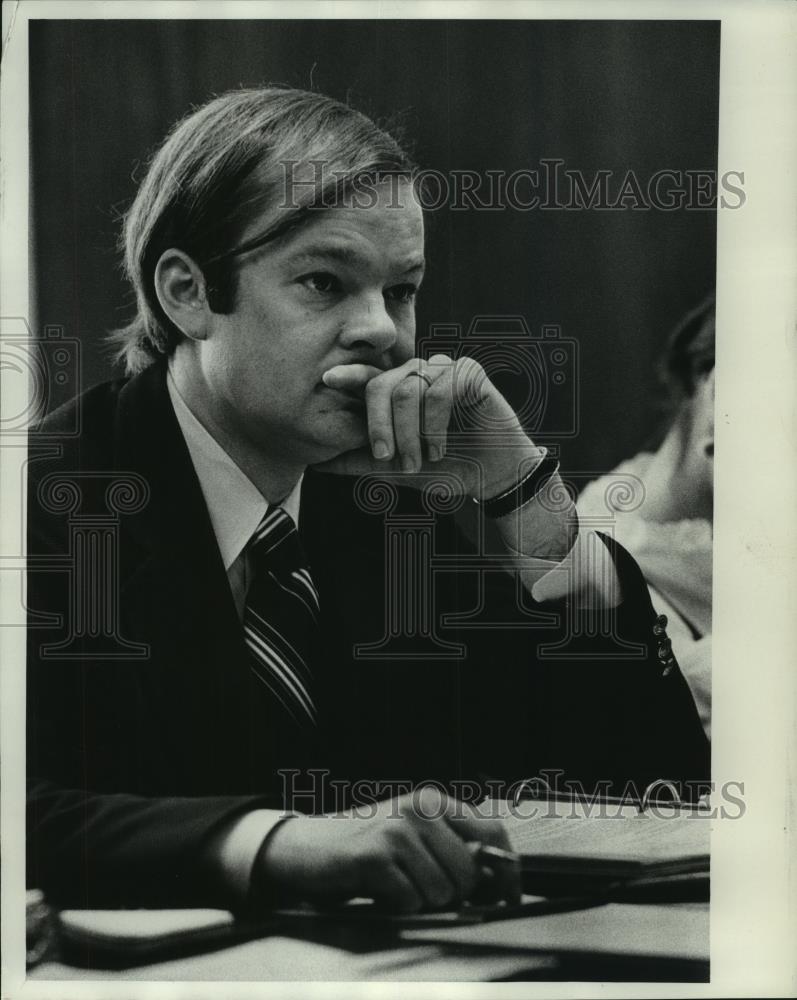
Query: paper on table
{"type": "Point", "coordinates": [136, 925]}
{"type": "Point", "coordinates": [594, 833]}
{"type": "Point", "coordinates": [119, 938]}
{"type": "Point", "coordinates": [618, 929]}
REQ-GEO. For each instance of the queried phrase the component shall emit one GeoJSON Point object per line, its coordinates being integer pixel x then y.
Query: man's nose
{"type": "Point", "coordinates": [370, 325]}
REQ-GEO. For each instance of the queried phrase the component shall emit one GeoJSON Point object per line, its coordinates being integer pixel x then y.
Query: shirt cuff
{"type": "Point", "coordinates": [234, 848]}
{"type": "Point", "coordinates": [587, 576]}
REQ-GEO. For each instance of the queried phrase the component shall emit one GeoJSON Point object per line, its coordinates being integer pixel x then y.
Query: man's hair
{"type": "Point", "coordinates": [690, 351]}
{"type": "Point", "coordinates": [222, 166]}
{"type": "Point", "coordinates": [688, 360]}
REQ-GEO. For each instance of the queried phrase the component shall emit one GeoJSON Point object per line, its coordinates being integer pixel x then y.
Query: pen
{"type": "Point", "coordinates": [500, 873]}
{"type": "Point", "coordinates": [493, 857]}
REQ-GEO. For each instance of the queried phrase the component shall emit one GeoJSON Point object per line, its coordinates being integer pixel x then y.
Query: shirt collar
{"type": "Point", "coordinates": [236, 506]}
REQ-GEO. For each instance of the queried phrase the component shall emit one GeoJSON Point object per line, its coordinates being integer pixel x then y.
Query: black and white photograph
{"type": "Point", "coordinates": [369, 612]}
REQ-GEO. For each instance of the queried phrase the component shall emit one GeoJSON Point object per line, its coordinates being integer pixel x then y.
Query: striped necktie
{"type": "Point", "coordinates": [281, 616]}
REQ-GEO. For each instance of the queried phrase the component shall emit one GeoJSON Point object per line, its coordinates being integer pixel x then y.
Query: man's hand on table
{"type": "Point", "coordinates": [408, 854]}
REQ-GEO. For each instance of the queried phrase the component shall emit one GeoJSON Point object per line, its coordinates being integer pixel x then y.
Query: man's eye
{"type": "Point", "coordinates": [405, 294]}
{"type": "Point", "coordinates": [321, 282]}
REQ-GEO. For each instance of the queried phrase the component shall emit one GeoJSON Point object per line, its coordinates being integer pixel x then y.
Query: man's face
{"type": "Point", "coordinates": [338, 290]}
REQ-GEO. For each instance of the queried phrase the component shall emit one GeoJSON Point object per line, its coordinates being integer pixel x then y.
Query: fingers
{"type": "Point", "coordinates": [401, 408]}
{"type": "Point", "coordinates": [438, 401]}
{"type": "Point", "coordinates": [471, 824]}
{"type": "Point", "coordinates": [409, 407]}
{"type": "Point", "coordinates": [404, 405]}
{"type": "Point", "coordinates": [498, 857]}
{"type": "Point", "coordinates": [350, 376]}
{"type": "Point", "coordinates": [423, 868]}
{"type": "Point", "coordinates": [406, 402]}
{"type": "Point", "coordinates": [400, 872]}
{"type": "Point", "coordinates": [379, 401]}
{"type": "Point", "coordinates": [454, 857]}
{"type": "Point", "coordinates": [387, 885]}
{"type": "Point", "coordinates": [454, 831]}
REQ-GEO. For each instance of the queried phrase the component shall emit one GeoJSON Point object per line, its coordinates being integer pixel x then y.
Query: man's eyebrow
{"type": "Point", "coordinates": [349, 256]}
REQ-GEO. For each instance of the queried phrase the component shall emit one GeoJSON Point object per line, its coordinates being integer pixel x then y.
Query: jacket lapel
{"type": "Point", "coordinates": [179, 553]}
{"type": "Point", "coordinates": [176, 597]}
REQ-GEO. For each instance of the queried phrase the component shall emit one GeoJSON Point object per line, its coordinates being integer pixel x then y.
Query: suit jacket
{"type": "Point", "coordinates": [146, 729]}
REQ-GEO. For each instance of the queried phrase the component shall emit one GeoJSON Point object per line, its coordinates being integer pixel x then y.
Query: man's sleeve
{"type": "Point", "coordinates": [100, 832]}
{"type": "Point", "coordinates": [105, 850]}
{"type": "Point", "coordinates": [588, 690]}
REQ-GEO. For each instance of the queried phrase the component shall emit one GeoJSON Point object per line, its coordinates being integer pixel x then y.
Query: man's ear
{"type": "Point", "coordinates": [180, 287]}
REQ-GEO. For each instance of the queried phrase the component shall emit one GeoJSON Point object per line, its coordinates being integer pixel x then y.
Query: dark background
{"type": "Point", "coordinates": [486, 95]}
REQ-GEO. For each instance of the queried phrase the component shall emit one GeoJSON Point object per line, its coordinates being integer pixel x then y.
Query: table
{"type": "Point", "coordinates": [611, 942]}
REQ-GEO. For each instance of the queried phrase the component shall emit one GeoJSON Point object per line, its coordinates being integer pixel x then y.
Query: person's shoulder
{"type": "Point", "coordinates": [78, 435]}
{"type": "Point", "coordinates": [620, 491]}
{"type": "Point", "coordinates": [87, 411]}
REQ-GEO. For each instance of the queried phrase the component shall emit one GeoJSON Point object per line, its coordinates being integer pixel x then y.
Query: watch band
{"type": "Point", "coordinates": [522, 492]}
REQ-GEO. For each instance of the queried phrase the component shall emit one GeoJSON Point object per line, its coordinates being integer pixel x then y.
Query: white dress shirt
{"type": "Point", "coordinates": [236, 506]}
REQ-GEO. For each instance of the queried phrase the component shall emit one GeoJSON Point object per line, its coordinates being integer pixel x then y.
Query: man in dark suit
{"type": "Point", "coordinates": [197, 666]}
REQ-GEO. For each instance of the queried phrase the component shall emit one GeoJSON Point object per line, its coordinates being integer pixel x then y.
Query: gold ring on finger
{"type": "Point", "coordinates": [422, 375]}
